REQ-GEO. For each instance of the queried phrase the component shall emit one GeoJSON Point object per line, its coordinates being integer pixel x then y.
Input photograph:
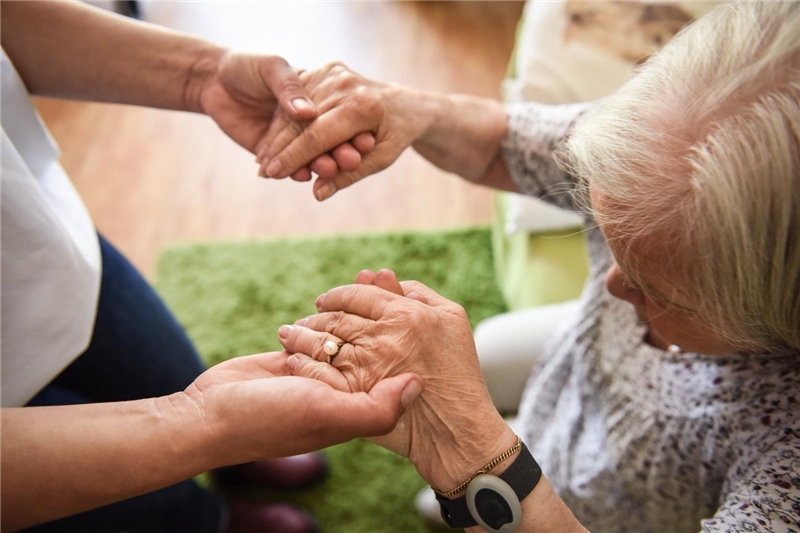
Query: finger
{"type": "Point", "coordinates": [284, 83]}
{"type": "Point", "coordinates": [365, 277]}
{"type": "Point", "coordinates": [377, 412]}
{"type": "Point", "coordinates": [418, 297]}
{"type": "Point", "coordinates": [349, 328]}
{"type": "Point", "coordinates": [304, 174]}
{"type": "Point", "coordinates": [363, 300]}
{"type": "Point", "coordinates": [386, 279]}
{"type": "Point", "coordinates": [364, 142]}
{"type": "Point", "coordinates": [304, 366]}
{"type": "Point", "coordinates": [299, 339]}
{"type": "Point", "coordinates": [378, 160]}
{"type": "Point", "coordinates": [282, 130]}
{"type": "Point", "coordinates": [346, 156]}
{"type": "Point", "coordinates": [325, 166]}
{"type": "Point", "coordinates": [320, 136]}
{"type": "Point", "coordinates": [262, 172]}
{"type": "Point", "coordinates": [430, 296]}
{"type": "Point", "coordinates": [272, 362]}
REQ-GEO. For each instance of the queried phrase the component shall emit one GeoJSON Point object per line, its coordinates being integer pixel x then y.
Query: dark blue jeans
{"type": "Point", "coordinates": [138, 350]}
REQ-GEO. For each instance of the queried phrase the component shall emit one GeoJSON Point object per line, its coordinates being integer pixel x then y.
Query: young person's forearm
{"type": "Point", "coordinates": [58, 461]}
{"type": "Point", "coordinates": [465, 138]}
{"type": "Point", "coordinates": [70, 50]}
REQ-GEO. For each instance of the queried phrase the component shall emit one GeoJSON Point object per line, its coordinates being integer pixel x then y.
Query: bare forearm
{"type": "Point", "coordinates": [70, 50]}
{"type": "Point", "coordinates": [465, 138]}
{"type": "Point", "coordinates": [76, 458]}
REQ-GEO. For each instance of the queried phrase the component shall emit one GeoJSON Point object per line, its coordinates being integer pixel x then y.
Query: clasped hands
{"type": "Point", "coordinates": [361, 127]}
{"type": "Point", "coordinates": [398, 338]}
{"type": "Point", "coordinates": [387, 328]}
{"type": "Point", "coordinates": [341, 125]}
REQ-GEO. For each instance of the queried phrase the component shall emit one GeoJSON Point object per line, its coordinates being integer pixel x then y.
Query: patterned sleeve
{"type": "Point", "coordinates": [534, 132]}
{"type": "Point", "coordinates": [765, 496]}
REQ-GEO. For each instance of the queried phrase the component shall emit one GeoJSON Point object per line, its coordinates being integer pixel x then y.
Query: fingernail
{"type": "Point", "coordinates": [302, 322]}
{"type": "Point", "coordinates": [410, 393]}
{"type": "Point", "coordinates": [284, 331]}
{"type": "Point", "coordinates": [274, 168]}
{"type": "Point", "coordinates": [325, 191]}
{"type": "Point", "coordinates": [292, 362]}
{"type": "Point", "coordinates": [320, 300]}
{"type": "Point", "coordinates": [301, 104]}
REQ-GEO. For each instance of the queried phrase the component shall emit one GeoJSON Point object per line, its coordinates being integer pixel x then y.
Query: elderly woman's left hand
{"type": "Point", "coordinates": [453, 428]}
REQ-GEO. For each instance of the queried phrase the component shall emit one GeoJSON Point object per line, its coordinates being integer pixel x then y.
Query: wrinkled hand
{"type": "Point", "coordinates": [348, 105]}
{"type": "Point", "coordinates": [255, 408]}
{"type": "Point", "coordinates": [387, 334]}
{"type": "Point", "coordinates": [247, 90]}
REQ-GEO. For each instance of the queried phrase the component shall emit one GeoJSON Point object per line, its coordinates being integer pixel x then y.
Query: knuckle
{"type": "Point", "coordinates": [288, 84]}
{"type": "Point", "coordinates": [372, 342]}
{"type": "Point", "coordinates": [347, 79]}
{"type": "Point", "coordinates": [459, 311]}
{"type": "Point", "coordinates": [318, 350]}
{"type": "Point", "coordinates": [414, 321]}
{"type": "Point", "coordinates": [409, 285]}
{"type": "Point", "coordinates": [368, 99]}
{"type": "Point", "coordinates": [348, 292]}
{"type": "Point", "coordinates": [315, 371]}
{"type": "Point", "coordinates": [335, 67]}
{"type": "Point", "coordinates": [277, 62]}
{"type": "Point", "coordinates": [336, 318]}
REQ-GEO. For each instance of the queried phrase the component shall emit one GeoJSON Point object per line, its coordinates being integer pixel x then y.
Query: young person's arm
{"type": "Point", "coordinates": [61, 460]}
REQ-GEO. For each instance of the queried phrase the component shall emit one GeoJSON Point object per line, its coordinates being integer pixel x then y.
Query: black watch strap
{"type": "Point", "coordinates": [522, 476]}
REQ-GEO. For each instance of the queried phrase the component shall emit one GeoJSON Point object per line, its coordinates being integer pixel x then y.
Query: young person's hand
{"type": "Point", "coordinates": [245, 93]}
{"type": "Point", "coordinates": [254, 408]}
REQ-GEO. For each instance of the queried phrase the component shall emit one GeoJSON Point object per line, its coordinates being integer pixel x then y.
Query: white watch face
{"type": "Point", "coordinates": [493, 504]}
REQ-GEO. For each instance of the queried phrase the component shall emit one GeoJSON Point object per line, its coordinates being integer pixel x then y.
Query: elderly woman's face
{"type": "Point", "coordinates": [667, 324]}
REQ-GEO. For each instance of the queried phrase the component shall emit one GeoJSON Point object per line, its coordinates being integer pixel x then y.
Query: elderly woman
{"type": "Point", "coordinates": [671, 402]}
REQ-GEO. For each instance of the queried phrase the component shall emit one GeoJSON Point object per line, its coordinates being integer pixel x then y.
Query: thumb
{"type": "Point", "coordinates": [378, 412]}
{"type": "Point", "coordinates": [285, 84]}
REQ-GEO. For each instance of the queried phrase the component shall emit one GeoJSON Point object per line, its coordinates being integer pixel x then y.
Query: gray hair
{"type": "Point", "coordinates": [699, 156]}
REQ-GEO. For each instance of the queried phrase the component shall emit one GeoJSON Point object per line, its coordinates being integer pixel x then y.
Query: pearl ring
{"type": "Point", "coordinates": [332, 348]}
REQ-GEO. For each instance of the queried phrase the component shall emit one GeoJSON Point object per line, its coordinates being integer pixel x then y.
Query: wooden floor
{"type": "Point", "coordinates": [151, 178]}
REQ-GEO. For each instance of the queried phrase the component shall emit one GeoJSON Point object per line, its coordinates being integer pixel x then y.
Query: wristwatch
{"type": "Point", "coordinates": [493, 502]}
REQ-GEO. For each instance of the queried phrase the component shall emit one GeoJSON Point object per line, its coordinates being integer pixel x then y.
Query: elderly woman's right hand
{"type": "Point", "coordinates": [453, 428]}
{"type": "Point", "coordinates": [350, 106]}
{"type": "Point", "coordinates": [457, 133]}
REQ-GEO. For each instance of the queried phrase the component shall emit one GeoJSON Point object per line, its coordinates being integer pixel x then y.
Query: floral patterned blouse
{"type": "Point", "coordinates": [636, 439]}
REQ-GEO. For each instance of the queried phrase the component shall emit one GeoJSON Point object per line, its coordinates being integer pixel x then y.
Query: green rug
{"type": "Point", "coordinates": [233, 297]}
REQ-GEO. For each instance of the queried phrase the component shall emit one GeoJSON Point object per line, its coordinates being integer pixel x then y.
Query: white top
{"type": "Point", "coordinates": [50, 253]}
{"type": "Point", "coordinates": [636, 439]}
